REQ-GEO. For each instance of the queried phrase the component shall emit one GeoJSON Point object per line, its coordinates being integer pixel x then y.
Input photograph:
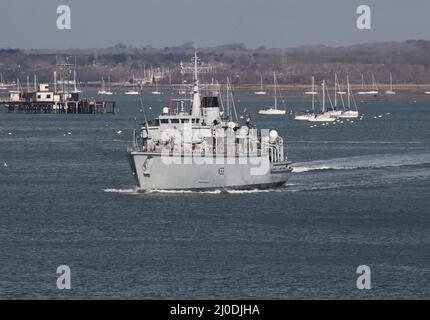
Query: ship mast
{"type": "Point", "coordinates": [195, 69]}
{"type": "Point", "coordinates": [196, 95]}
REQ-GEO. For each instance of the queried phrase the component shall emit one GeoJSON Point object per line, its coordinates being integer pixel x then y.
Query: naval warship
{"type": "Point", "coordinates": [203, 148]}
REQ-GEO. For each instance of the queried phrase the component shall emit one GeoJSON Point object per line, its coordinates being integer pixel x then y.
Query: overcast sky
{"type": "Point", "coordinates": [272, 23]}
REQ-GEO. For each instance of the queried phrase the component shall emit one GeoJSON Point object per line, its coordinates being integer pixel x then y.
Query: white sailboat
{"type": "Point", "coordinates": [390, 91]}
{"type": "Point", "coordinates": [108, 91]}
{"type": "Point", "coordinates": [334, 111]}
{"type": "Point", "coordinates": [348, 113]}
{"type": "Point", "coordinates": [324, 116]}
{"type": "Point", "coordinates": [156, 92]}
{"type": "Point", "coordinates": [307, 116]}
{"type": "Point", "coordinates": [362, 92]}
{"type": "Point", "coordinates": [261, 92]}
{"type": "Point", "coordinates": [2, 84]}
{"type": "Point", "coordinates": [75, 88]}
{"type": "Point", "coordinates": [103, 90]}
{"type": "Point", "coordinates": [374, 90]}
{"type": "Point", "coordinates": [132, 91]}
{"type": "Point", "coordinates": [273, 110]}
{"type": "Point", "coordinates": [310, 93]}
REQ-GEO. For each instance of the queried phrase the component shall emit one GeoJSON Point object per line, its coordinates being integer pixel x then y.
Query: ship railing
{"type": "Point", "coordinates": [209, 152]}
{"type": "Point", "coordinates": [245, 148]}
{"type": "Point", "coordinates": [275, 150]}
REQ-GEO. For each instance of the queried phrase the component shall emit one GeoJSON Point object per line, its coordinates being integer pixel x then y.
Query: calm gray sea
{"type": "Point", "coordinates": [359, 196]}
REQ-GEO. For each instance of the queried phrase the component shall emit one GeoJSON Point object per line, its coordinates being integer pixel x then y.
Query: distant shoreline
{"type": "Point", "coordinates": [408, 62]}
{"type": "Point", "coordinates": [399, 88]}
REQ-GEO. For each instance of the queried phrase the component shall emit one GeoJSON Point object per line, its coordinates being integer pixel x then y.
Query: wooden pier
{"type": "Point", "coordinates": [82, 106]}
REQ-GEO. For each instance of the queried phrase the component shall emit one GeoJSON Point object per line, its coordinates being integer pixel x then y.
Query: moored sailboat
{"type": "Point", "coordinates": [348, 113]}
{"type": "Point", "coordinates": [273, 110]}
{"type": "Point", "coordinates": [307, 116]}
{"type": "Point", "coordinates": [156, 92]}
{"type": "Point", "coordinates": [103, 90]}
{"type": "Point", "coordinates": [324, 116]}
{"type": "Point", "coordinates": [374, 91]}
{"type": "Point", "coordinates": [132, 91]}
{"type": "Point", "coordinates": [261, 92]}
{"type": "Point", "coordinates": [75, 87]}
{"type": "Point", "coordinates": [390, 91]}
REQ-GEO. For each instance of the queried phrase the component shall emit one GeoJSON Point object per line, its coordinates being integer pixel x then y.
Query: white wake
{"type": "Point", "coordinates": [364, 162]}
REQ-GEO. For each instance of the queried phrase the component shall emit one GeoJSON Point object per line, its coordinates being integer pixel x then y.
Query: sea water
{"type": "Point", "coordinates": [359, 195]}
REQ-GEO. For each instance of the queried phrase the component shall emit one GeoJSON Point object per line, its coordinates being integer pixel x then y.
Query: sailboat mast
{"type": "Point", "coordinates": [391, 82]}
{"type": "Point", "coordinates": [323, 90]}
{"type": "Point", "coordinates": [274, 85]}
{"type": "Point", "coordinates": [55, 81]}
{"type": "Point", "coordinates": [261, 82]}
{"type": "Point", "coordinates": [74, 79]}
{"type": "Point", "coordinates": [228, 98]}
{"type": "Point", "coordinates": [313, 94]}
{"type": "Point", "coordinates": [335, 90]}
{"type": "Point", "coordinates": [349, 92]}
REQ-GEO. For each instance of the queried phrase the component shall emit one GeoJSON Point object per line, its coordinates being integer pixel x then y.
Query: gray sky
{"type": "Point", "coordinates": [272, 23]}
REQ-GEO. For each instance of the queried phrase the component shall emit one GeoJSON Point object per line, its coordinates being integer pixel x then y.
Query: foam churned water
{"type": "Point", "coordinates": [368, 161]}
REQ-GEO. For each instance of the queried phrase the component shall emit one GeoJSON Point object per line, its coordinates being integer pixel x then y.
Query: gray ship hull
{"type": "Point", "coordinates": [153, 173]}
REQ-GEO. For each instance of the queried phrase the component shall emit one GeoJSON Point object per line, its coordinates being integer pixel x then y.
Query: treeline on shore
{"type": "Point", "coordinates": [407, 61]}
